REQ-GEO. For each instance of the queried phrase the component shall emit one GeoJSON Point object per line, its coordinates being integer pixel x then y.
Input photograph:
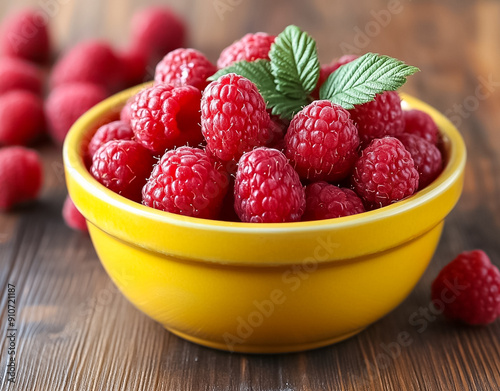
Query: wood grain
{"type": "Point", "coordinates": [77, 332]}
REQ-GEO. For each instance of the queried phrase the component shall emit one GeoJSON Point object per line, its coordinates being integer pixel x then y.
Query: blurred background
{"type": "Point", "coordinates": [457, 47]}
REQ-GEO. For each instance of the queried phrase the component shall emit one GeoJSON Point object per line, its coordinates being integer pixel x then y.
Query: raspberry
{"type": "Point", "coordinates": [234, 119]}
{"type": "Point", "coordinates": [134, 65]}
{"type": "Point", "coordinates": [25, 35]}
{"type": "Point", "coordinates": [92, 62]}
{"type": "Point", "coordinates": [157, 31]}
{"type": "Point", "coordinates": [327, 70]}
{"type": "Point", "coordinates": [125, 113]}
{"type": "Point", "coordinates": [183, 67]}
{"type": "Point", "coordinates": [267, 189]}
{"type": "Point", "coordinates": [21, 117]}
{"type": "Point", "coordinates": [17, 74]}
{"type": "Point", "coordinates": [385, 173]}
{"type": "Point", "coordinates": [420, 123]}
{"type": "Point", "coordinates": [72, 216]}
{"type": "Point", "coordinates": [468, 289]}
{"type": "Point", "coordinates": [426, 156]}
{"type": "Point", "coordinates": [186, 182]}
{"type": "Point", "coordinates": [321, 142]}
{"type": "Point", "coordinates": [21, 176]}
{"type": "Point", "coordinates": [250, 48]}
{"type": "Point", "coordinates": [65, 104]}
{"type": "Point", "coordinates": [116, 130]}
{"type": "Point", "coordinates": [164, 117]}
{"type": "Point", "coordinates": [325, 201]}
{"type": "Point", "coordinates": [123, 166]}
{"type": "Point", "coordinates": [378, 118]}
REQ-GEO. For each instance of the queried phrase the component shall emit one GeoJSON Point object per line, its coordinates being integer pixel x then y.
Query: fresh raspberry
{"type": "Point", "coordinates": [72, 216]}
{"type": "Point", "coordinates": [267, 189]}
{"type": "Point", "coordinates": [322, 142]}
{"type": "Point", "coordinates": [21, 117]}
{"type": "Point", "coordinates": [385, 173]}
{"type": "Point", "coordinates": [326, 201]}
{"type": "Point", "coordinates": [427, 157]}
{"type": "Point", "coordinates": [420, 123]}
{"type": "Point", "coordinates": [125, 113]}
{"type": "Point", "coordinates": [234, 119]}
{"type": "Point", "coordinates": [164, 117]}
{"type": "Point", "coordinates": [157, 31]}
{"type": "Point", "coordinates": [25, 35]}
{"type": "Point", "coordinates": [93, 62]}
{"type": "Point", "coordinates": [326, 70]}
{"type": "Point", "coordinates": [186, 182]}
{"type": "Point", "coordinates": [134, 65]}
{"type": "Point", "coordinates": [65, 104]}
{"type": "Point", "coordinates": [21, 176]}
{"type": "Point", "coordinates": [250, 48]}
{"type": "Point", "coordinates": [468, 289]}
{"type": "Point", "coordinates": [378, 118]}
{"type": "Point", "coordinates": [116, 130]}
{"type": "Point", "coordinates": [184, 67]}
{"type": "Point", "coordinates": [123, 166]}
{"type": "Point", "coordinates": [276, 134]}
{"type": "Point", "coordinates": [17, 74]}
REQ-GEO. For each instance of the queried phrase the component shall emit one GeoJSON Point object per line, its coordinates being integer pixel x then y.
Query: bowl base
{"type": "Point", "coordinates": [265, 349]}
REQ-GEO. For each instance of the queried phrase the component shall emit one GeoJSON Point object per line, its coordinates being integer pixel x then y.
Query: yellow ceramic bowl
{"type": "Point", "coordinates": [263, 288]}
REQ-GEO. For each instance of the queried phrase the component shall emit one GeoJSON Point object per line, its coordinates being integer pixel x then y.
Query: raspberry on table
{"type": "Point", "coordinates": [234, 119]}
{"type": "Point", "coordinates": [25, 35]}
{"type": "Point", "coordinates": [17, 74]}
{"type": "Point", "coordinates": [322, 142]}
{"type": "Point", "coordinates": [72, 216]}
{"type": "Point", "coordinates": [92, 62]}
{"type": "Point", "coordinates": [65, 104]}
{"type": "Point", "coordinates": [116, 130]}
{"type": "Point", "coordinates": [385, 173]}
{"type": "Point", "coordinates": [21, 176]}
{"type": "Point", "coordinates": [182, 67]}
{"type": "Point", "coordinates": [164, 117]}
{"type": "Point", "coordinates": [378, 118]}
{"type": "Point", "coordinates": [249, 48]}
{"type": "Point", "coordinates": [267, 189]}
{"type": "Point", "coordinates": [468, 289]}
{"type": "Point", "coordinates": [426, 156]}
{"type": "Point", "coordinates": [421, 124]}
{"type": "Point", "coordinates": [123, 166]}
{"type": "Point", "coordinates": [22, 119]}
{"type": "Point", "coordinates": [326, 201]}
{"type": "Point", "coordinates": [134, 66]}
{"type": "Point", "coordinates": [155, 32]}
{"type": "Point", "coordinates": [186, 182]}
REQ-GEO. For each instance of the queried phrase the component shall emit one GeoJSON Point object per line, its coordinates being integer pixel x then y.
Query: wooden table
{"type": "Point", "coordinates": [77, 332]}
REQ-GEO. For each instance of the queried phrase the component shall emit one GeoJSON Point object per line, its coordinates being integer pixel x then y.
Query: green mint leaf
{"type": "Point", "coordinates": [360, 80]}
{"type": "Point", "coordinates": [294, 63]}
{"type": "Point", "coordinates": [259, 72]}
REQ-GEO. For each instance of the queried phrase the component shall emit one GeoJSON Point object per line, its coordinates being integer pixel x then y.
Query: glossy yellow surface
{"type": "Point", "coordinates": [263, 288]}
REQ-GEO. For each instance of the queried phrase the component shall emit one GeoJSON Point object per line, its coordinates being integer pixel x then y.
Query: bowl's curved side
{"type": "Point", "coordinates": [265, 309]}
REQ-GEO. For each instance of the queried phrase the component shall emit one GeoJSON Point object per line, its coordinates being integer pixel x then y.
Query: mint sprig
{"type": "Point", "coordinates": [360, 80]}
{"type": "Point", "coordinates": [287, 80]}
{"type": "Point", "coordinates": [294, 63]}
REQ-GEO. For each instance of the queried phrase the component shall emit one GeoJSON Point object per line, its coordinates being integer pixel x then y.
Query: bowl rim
{"type": "Point", "coordinates": [75, 166]}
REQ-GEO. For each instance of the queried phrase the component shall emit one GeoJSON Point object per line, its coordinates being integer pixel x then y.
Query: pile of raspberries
{"type": "Point", "coordinates": [212, 150]}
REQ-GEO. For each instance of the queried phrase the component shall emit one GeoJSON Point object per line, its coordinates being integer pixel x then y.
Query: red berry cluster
{"type": "Point", "coordinates": [327, 162]}
{"type": "Point", "coordinates": [83, 76]}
